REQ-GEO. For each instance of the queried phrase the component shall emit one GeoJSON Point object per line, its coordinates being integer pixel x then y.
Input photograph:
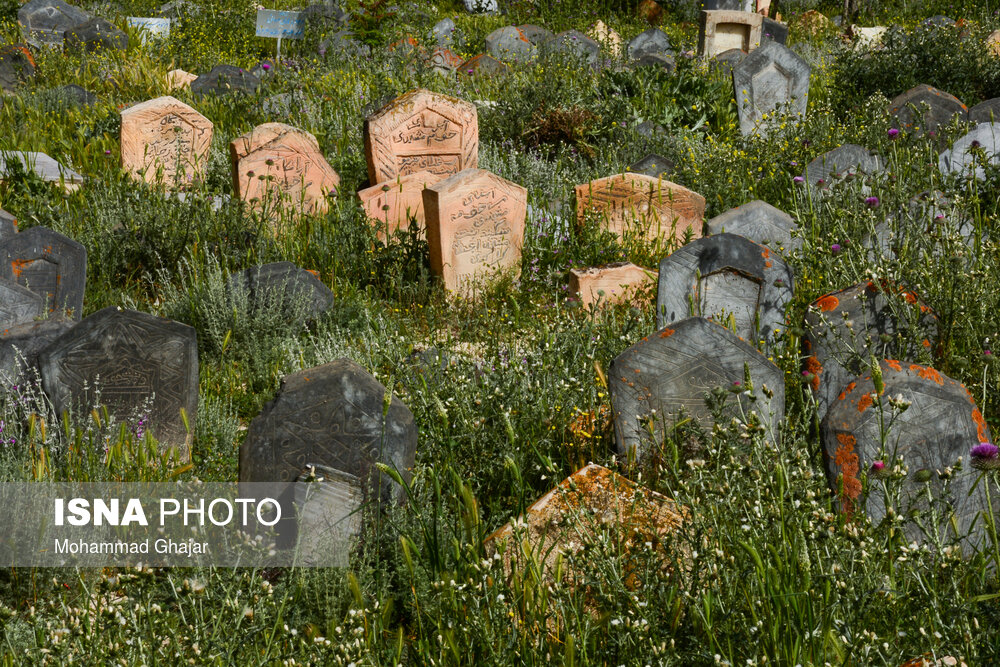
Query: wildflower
{"type": "Point", "coordinates": [835, 248]}
{"type": "Point", "coordinates": [878, 469]}
{"type": "Point", "coordinates": [893, 132]}
{"type": "Point", "coordinates": [798, 179]}
{"type": "Point", "coordinates": [985, 456]}
{"type": "Point", "coordinates": [871, 202]}
{"type": "Point", "coordinates": [107, 152]}
{"type": "Point", "coordinates": [265, 66]}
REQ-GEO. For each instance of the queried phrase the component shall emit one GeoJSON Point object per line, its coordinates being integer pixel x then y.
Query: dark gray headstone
{"type": "Point", "coordinates": [45, 21]}
{"type": "Point", "coordinates": [224, 79]}
{"type": "Point", "coordinates": [444, 32]}
{"type": "Point", "coordinates": [971, 151]}
{"type": "Point", "coordinates": [845, 328]}
{"type": "Point", "coordinates": [329, 504]}
{"type": "Point", "coordinates": [651, 41]}
{"type": "Point", "coordinates": [761, 223]}
{"type": "Point", "coordinates": [650, 129]}
{"type": "Point", "coordinates": [509, 43]}
{"type": "Point", "coordinates": [774, 30]}
{"type": "Point", "coordinates": [49, 264]}
{"type": "Point", "coordinates": [938, 21]}
{"type": "Point", "coordinates": [574, 43]}
{"type": "Point", "coordinates": [772, 78]}
{"type": "Point", "coordinates": [136, 364]}
{"type": "Point", "coordinates": [333, 415]}
{"type": "Point", "coordinates": [483, 64]}
{"type": "Point", "coordinates": [20, 345]}
{"type": "Point", "coordinates": [652, 165]}
{"type": "Point", "coordinates": [729, 5]}
{"type": "Point", "coordinates": [536, 34]}
{"type": "Point", "coordinates": [18, 304]}
{"type": "Point", "coordinates": [726, 277]}
{"type": "Point", "coordinates": [73, 95]}
{"type": "Point", "coordinates": [42, 165]}
{"type": "Point", "coordinates": [8, 224]}
{"type": "Point", "coordinates": [282, 285]}
{"type": "Point", "coordinates": [924, 109]}
{"type": "Point", "coordinates": [16, 66]}
{"type": "Point", "coordinates": [727, 60]}
{"type": "Point", "coordinates": [657, 60]}
{"type": "Point", "coordinates": [843, 162]}
{"type": "Point", "coordinates": [986, 112]}
{"type": "Point", "coordinates": [97, 34]}
{"type": "Point", "coordinates": [284, 105]}
{"type": "Point", "coordinates": [673, 369]}
{"type": "Point", "coordinates": [940, 426]}
{"type": "Point", "coordinates": [343, 43]}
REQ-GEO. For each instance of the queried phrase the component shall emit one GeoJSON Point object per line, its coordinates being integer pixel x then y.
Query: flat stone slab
{"type": "Point", "coordinates": [391, 205]}
{"type": "Point", "coordinates": [773, 79]}
{"type": "Point", "coordinates": [45, 21]}
{"type": "Point", "coordinates": [165, 141]}
{"type": "Point", "coordinates": [43, 166]}
{"type": "Point", "coordinates": [421, 131]}
{"type": "Point", "coordinates": [721, 30]}
{"type": "Point", "coordinates": [137, 364]}
{"type": "Point", "coordinates": [842, 162]}
{"type": "Point", "coordinates": [761, 223]}
{"type": "Point", "coordinates": [17, 66]}
{"type": "Point", "coordinates": [672, 370]}
{"type": "Point", "coordinates": [649, 42]}
{"type": "Point", "coordinates": [335, 416]}
{"type": "Point", "coordinates": [939, 428]}
{"type": "Point", "coordinates": [296, 292]}
{"type": "Point", "coordinates": [611, 284]}
{"type": "Point", "coordinates": [924, 109]}
{"type": "Point", "coordinates": [225, 79]}
{"type": "Point", "coordinates": [19, 348]}
{"type": "Point", "coordinates": [730, 280]}
{"type": "Point", "coordinates": [48, 263]}
{"type": "Point", "coordinates": [971, 151]}
{"type": "Point", "coordinates": [329, 504]}
{"type": "Point", "coordinates": [844, 328]}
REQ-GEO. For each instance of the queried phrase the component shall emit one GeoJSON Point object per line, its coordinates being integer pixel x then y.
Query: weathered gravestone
{"type": "Point", "coordinates": [657, 60]}
{"type": "Point", "coordinates": [16, 66]}
{"type": "Point", "coordinates": [653, 165]}
{"type": "Point", "coordinates": [774, 30]}
{"type": "Point", "coordinates": [72, 95]}
{"type": "Point", "coordinates": [20, 345]}
{"type": "Point", "coordinates": [940, 426]}
{"type": "Point", "coordinates": [761, 223]}
{"type": "Point", "coordinates": [444, 61]}
{"type": "Point", "coordinates": [42, 166]}
{"type": "Point", "coordinates": [727, 279]}
{"type": "Point", "coordinates": [843, 162]}
{"type": "Point", "coordinates": [283, 165]}
{"type": "Point", "coordinates": [482, 65]}
{"type": "Point", "coordinates": [649, 42]}
{"type": "Point", "coordinates": [164, 140]}
{"type": "Point", "coordinates": [391, 205]}
{"type": "Point", "coordinates": [475, 226]}
{"type": "Point", "coordinates": [844, 329]}
{"type": "Point", "coordinates": [637, 204]}
{"type": "Point", "coordinates": [225, 79]}
{"type": "Point", "coordinates": [421, 131]}
{"type": "Point", "coordinates": [44, 22]}
{"type": "Point", "coordinates": [335, 415]}
{"type": "Point", "coordinates": [50, 265]}
{"type": "Point", "coordinates": [96, 34]}
{"type": "Point", "coordinates": [509, 43]}
{"type": "Point", "coordinates": [605, 285]}
{"type": "Point", "coordinates": [727, 61]}
{"type": "Point", "coordinates": [970, 152]}
{"type": "Point", "coordinates": [721, 30]}
{"type": "Point", "coordinates": [18, 304]}
{"type": "Point", "coordinates": [8, 224]}
{"type": "Point", "coordinates": [728, 5]}
{"type": "Point", "coordinates": [924, 228]}
{"type": "Point", "coordinates": [924, 109]}
{"type": "Point", "coordinates": [137, 365]}
{"type": "Point", "coordinates": [343, 44]}
{"type": "Point", "coordinates": [295, 292]}
{"type": "Point", "coordinates": [480, 6]}
{"type": "Point", "coordinates": [606, 37]}
{"type": "Point", "coordinates": [576, 45]}
{"type": "Point", "coordinates": [444, 32]}
{"type": "Point", "coordinates": [986, 112]}
{"type": "Point", "coordinates": [178, 79]}
{"type": "Point", "coordinates": [812, 23]}
{"type": "Point", "coordinates": [771, 79]}
{"type": "Point", "coordinates": [672, 371]}
{"type": "Point", "coordinates": [536, 34]}
{"type": "Point", "coordinates": [329, 503]}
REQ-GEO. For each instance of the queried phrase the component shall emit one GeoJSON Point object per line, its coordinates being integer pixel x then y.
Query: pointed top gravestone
{"type": "Point", "coordinates": [771, 80]}
{"type": "Point", "coordinates": [510, 44]}
{"type": "Point", "coordinates": [49, 264]}
{"type": "Point", "coordinates": [650, 41]}
{"type": "Point", "coordinates": [391, 205]}
{"type": "Point", "coordinates": [924, 109]}
{"type": "Point", "coordinates": [575, 44]}
{"type": "Point", "coordinates": [225, 79]}
{"type": "Point", "coordinates": [839, 163]}
{"type": "Point", "coordinates": [45, 21]}
{"type": "Point", "coordinates": [96, 34]}
{"type": "Point", "coordinates": [164, 140]}
{"type": "Point", "coordinates": [971, 151]}
{"type": "Point", "coordinates": [761, 223]}
{"type": "Point", "coordinates": [536, 34]}
{"type": "Point", "coordinates": [295, 291]}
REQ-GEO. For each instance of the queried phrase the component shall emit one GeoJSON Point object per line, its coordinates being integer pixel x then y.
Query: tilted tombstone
{"type": "Point", "coordinates": [842, 162]}
{"type": "Point", "coordinates": [444, 32]}
{"type": "Point", "coordinates": [653, 165]}
{"type": "Point", "coordinates": [475, 227]}
{"type": "Point", "coordinates": [775, 30]}
{"type": "Point", "coordinates": [986, 112]}
{"type": "Point", "coordinates": [335, 415]}
{"type": "Point", "coordinates": [444, 61]}
{"type": "Point", "coordinates": [605, 285]}
{"type": "Point", "coordinates": [651, 208]}
{"type": "Point", "coordinates": [940, 426]}
{"type": "Point", "coordinates": [761, 223]}
{"type": "Point", "coordinates": [18, 304]}
{"type": "Point", "coordinates": [225, 79]}
{"type": "Point", "coordinates": [44, 22]}
{"type": "Point", "coordinates": [96, 34]}
{"type": "Point", "coordinates": [482, 65]}
{"type": "Point", "coordinates": [721, 30]}
{"type": "Point", "coordinates": [726, 278]}
{"type": "Point", "coordinates": [8, 224]}
{"type": "Point", "coordinates": [727, 61]}
{"type": "Point", "coordinates": [421, 131]}
{"type": "Point", "coordinates": [509, 43]}
{"type": "Point", "coordinates": [649, 42]}
{"type": "Point", "coordinates": [297, 292]}
{"type": "Point", "coordinates": [42, 166]}
{"type": "Point", "coordinates": [17, 65]}
{"type": "Point", "coordinates": [536, 34]}
{"type": "Point", "coordinates": [164, 140]}
{"type": "Point", "coordinates": [50, 265]}
{"type": "Point", "coordinates": [924, 109]}
{"type": "Point", "coordinates": [20, 345]}
{"type": "Point", "coordinates": [282, 164]}
{"type": "Point", "coordinates": [575, 44]}
{"type": "Point", "coordinates": [844, 329]}
{"type": "Point", "coordinates": [137, 365]}
{"type": "Point", "coordinates": [971, 151]}
{"type": "Point", "coordinates": [674, 369]}
{"type": "Point", "coordinates": [771, 79]}
{"type": "Point", "coordinates": [392, 204]}
{"type": "Point", "coordinates": [329, 506]}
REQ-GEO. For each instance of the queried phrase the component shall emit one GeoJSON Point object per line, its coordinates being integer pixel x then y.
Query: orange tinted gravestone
{"type": "Point", "coordinates": [421, 131]}
{"type": "Point", "coordinates": [475, 225]}
{"type": "Point", "coordinates": [615, 283]}
{"type": "Point", "coordinates": [390, 205]}
{"type": "Point", "coordinates": [275, 161]}
{"type": "Point", "coordinates": [164, 140]}
{"type": "Point", "coordinates": [178, 79]}
{"type": "Point", "coordinates": [653, 208]}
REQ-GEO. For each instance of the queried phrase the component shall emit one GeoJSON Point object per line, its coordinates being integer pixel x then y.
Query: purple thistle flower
{"type": "Point", "coordinates": [835, 248]}
{"type": "Point", "coordinates": [265, 66]}
{"type": "Point", "coordinates": [798, 179]}
{"type": "Point", "coordinates": [985, 456]}
{"type": "Point", "coordinates": [893, 132]}
{"type": "Point", "coordinates": [871, 202]}
{"type": "Point", "coordinates": [878, 466]}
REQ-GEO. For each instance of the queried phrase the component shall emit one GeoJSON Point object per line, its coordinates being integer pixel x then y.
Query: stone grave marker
{"type": "Point", "coordinates": [510, 43]}
{"type": "Point", "coordinates": [721, 30]}
{"type": "Point", "coordinates": [276, 162]}
{"type": "Point", "coordinates": [444, 61]}
{"type": "Point", "coordinates": [343, 43]}
{"type": "Point", "coordinates": [761, 223]}
{"type": "Point", "coordinates": [329, 504]}
{"type": "Point", "coordinates": [728, 5]}
{"type": "Point", "coordinates": [842, 162]}
{"type": "Point", "coordinates": [611, 284]}
{"type": "Point", "coordinates": [652, 41]}
{"type": "Point", "coordinates": [927, 219]}
{"type": "Point", "coordinates": [334, 416]}
{"type": "Point", "coordinates": [96, 34]}
{"type": "Point", "coordinates": [50, 265]}
{"type": "Point", "coordinates": [17, 65]}
{"type": "Point", "coordinates": [812, 23]}
{"type": "Point", "coordinates": [20, 345]}
{"type": "Point", "coordinates": [845, 328]}
{"type": "Point", "coordinates": [297, 292]}
{"type": "Point", "coordinates": [18, 304]}
{"type": "Point", "coordinates": [482, 65]}
{"type": "Point", "coordinates": [653, 165]}
{"type": "Point", "coordinates": [576, 45]}
{"type": "Point", "coordinates": [43, 22]}
{"type": "Point", "coordinates": [652, 208]}
{"type": "Point", "coordinates": [983, 141]}
{"type": "Point", "coordinates": [993, 43]}
{"type": "Point", "coordinates": [421, 131]}
{"type": "Point", "coordinates": [8, 224]}
{"type": "Point", "coordinates": [536, 34]}
{"type": "Point", "coordinates": [475, 226]}
{"type": "Point", "coordinates": [924, 109]}
{"type": "Point", "coordinates": [671, 371]}
{"type": "Point", "coordinates": [225, 79]}
{"type": "Point", "coordinates": [940, 426]}
{"type": "Point", "coordinates": [391, 204]}
{"type": "Point", "coordinates": [164, 140]}
{"type": "Point", "coordinates": [657, 60]}
{"type": "Point", "coordinates": [774, 30]}
{"type": "Point", "coordinates": [73, 95]}
{"type": "Point", "coordinates": [607, 37]}
{"type": "Point", "coordinates": [986, 112]}
{"type": "Point", "coordinates": [178, 79]}
{"type": "Point", "coordinates": [730, 280]}
{"type": "Point", "coordinates": [771, 79]}
{"type": "Point", "coordinates": [444, 32]}
{"type": "Point", "coordinates": [727, 61]}
{"type": "Point", "coordinates": [139, 365]}
{"type": "Point", "coordinates": [43, 166]}
{"type": "Point", "coordinates": [480, 6]}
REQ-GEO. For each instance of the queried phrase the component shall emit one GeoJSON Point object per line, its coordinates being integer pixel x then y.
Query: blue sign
{"type": "Point", "coordinates": [281, 25]}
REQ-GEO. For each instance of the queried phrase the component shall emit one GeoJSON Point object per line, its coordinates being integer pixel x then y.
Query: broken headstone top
{"type": "Point", "coordinates": [50, 264]}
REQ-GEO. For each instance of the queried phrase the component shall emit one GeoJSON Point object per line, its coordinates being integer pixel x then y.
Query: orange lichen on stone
{"type": "Point", "coordinates": [666, 333]}
{"type": "Point", "coordinates": [814, 367]}
{"type": "Point", "coordinates": [847, 460]}
{"type": "Point", "coordinates": [893, 364]}
{"type": "Point", "coordinates": [927, 373]}
{"type": "Point", "coordinates": [827, 303]}
{"type": "Point", "coordinates": [925, 343]}
{"type": "Point", "coordinates": [847, 390]}
{"type": "Point", "coordinates": [865, 402]}
{"type": "Point", "coordinates": [982, 430]}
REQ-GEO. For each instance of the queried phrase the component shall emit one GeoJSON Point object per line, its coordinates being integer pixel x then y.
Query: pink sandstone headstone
{"type": "Point", "coordinates": [640, 205]}
{"type": "Point", "coordinates": [475, 226]}
{"type": "Point", "coordinates": [164, 140]}
{"type": "Point", "coordinates": [390, 205]}
{"type": "Point", "coordinates": [277, 161]}
{"type": "Point", "coordinates": [605, 285]}
{"type": "Point", "coordinates": [421, 131]}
